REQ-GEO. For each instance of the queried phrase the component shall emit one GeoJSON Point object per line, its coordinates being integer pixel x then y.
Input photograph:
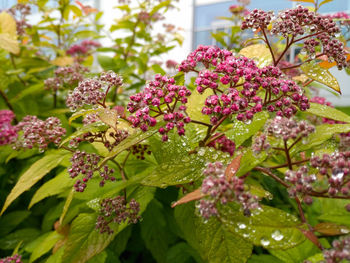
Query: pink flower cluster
{"type": "Point", "coordinates": [222, 143]}
{"type": "Point", "coordinates": [219, 189]}
{"type": "Point", "coordinates": [20, 13]}
{"type": "Point", "coordinates": [13, 259]}
{"type": "Point", "coordinates": [34, 132]}
{"type": "Point", "coordinates": [160, 97]}
{"type": "Point", "coordinates": [337, 169]}
{"type": "Point", "coordinates": [83, 48]}
{"type": "Point", "coordinates": [243, 80]}
{"type": "Point", "coordinates": [66, 77]}
{"type": "Point", "coordinates": [301, 183]}
{"type": "Point", "coordinates": [86, 164]}
{"type": "Point", "coordinates": [340, 251]}
{"type": "Point", "coordinates": [298, 22]}
{"type": "Point", "coordinates": [92, 91]}
{"type": "Point", "coordinates": [8, 133]}
{"type": "Point", "coordinates": [118, 211]}
{"type": "Point", "coordinates": [260, 144]}
{"type": "Point", "coordinates": [285, 128]}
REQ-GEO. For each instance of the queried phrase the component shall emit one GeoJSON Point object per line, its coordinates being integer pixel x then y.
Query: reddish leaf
{"type": "Point", "coordinates": [331, 229]}
{"type": "Point", "coordinates": [312, 237]}
{"type": "Point", "coordinates": [233, 167]}
{"type": "Point", "coordinates": [195, 195]}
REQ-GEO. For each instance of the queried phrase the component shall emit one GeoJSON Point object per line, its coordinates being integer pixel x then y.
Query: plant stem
{"type": "Point", "coordinates": [289, 160]}
{"type": "Point", "coordinates": [201, 123]}
{"type": "Point", "coordinates": [268, 44]}
{"type": "Point", "coordinates": [8, 104]}
{"type": "Point", "coordinates": [273, 176]}
{"type": "Point", "coordinates": [286, 164]}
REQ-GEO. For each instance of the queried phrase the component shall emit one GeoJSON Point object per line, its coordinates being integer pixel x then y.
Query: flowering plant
{"type": "Point", "coordinates": [240, 163]}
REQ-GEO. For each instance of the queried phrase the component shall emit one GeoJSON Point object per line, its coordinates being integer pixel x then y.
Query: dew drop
{"type": "Point", "coordinates": [277, 235]}
{"type": "Point", "coordinates": [264, 241]}
{"type": "Point", "coordinates": [344, 231]}
{"type": "Point", "coordinates": [241, 226]}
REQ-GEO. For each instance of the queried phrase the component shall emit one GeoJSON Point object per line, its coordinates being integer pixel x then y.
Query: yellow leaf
{"type": "Point", "coordinates": [316, 72]}
{"type": "Point", "coordinates": [304, 1]}
{"type": "Point", "coordinates": [8, 33]}
{"type": "Point", "coordinates": [258, 52]}
{"type": "Point", "coordinates": [62, 61]}
{"type": "Point", "coordinates": [9, 44]}
{"type": "Point", "coordinates": [302, 78]}
{"type": "Point", "coordinates": [109, 117]}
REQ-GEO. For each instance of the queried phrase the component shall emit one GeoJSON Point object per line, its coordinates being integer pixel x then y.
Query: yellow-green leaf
{"type": "Point", "coordinates": [258, 52]}
{"type": "Point", "coordinates": [325, 2]}
{"type": "Point", "coordinates": [322, 75]}
{"type": "Point", "coordinates": [196, 103]}
{"type": "Point", "coordinates": [37, 171]}
{"type": "Point", "coordinates": [8, 33]}
{"type": "Point", "coordinates": [63, 61]}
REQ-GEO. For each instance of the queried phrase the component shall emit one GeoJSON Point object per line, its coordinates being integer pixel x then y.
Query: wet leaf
{"type": "Point", "coordinates": [268, 227]}
{"type": "Point", "coordinates": [193, 196]}
{"type": "Point", "coordinates": [328, 112]}
{"type": "Point", "coordinates": [322, 75]}
{"type": "Point", "coordinates": [211, 239]}
{"type": "Point", "coordinates": [233, 167]}
{"type": "Point", "coordinates": [331, 229]}
{"type": "Point", "coordinates": [258, 52]}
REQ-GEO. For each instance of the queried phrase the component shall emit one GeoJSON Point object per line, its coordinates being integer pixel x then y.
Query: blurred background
{"type": "Point", "coordinates": [199, 19]}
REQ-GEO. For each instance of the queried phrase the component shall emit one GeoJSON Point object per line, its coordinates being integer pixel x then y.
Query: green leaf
{"type": "Point", "coordinates": [268, 227]}
{"type": "Point", "coordinates": [57, 257]}
{"type": "Point", "coordinates": [37, 171]}
{"type": "Point", "coordinates": [154, 231]}
{"type": "Point", "coordinates": [160, 6]}
{"type": "Point", "coordinates": [258, 52]}
{"type": "Point", "coordinates": [196, 103]}
{"type": "Point", "coordinates": [81, 113]}
{"type": "Point", "coordinates": [69, 200]}
{"type": "Point", "coordinates": [134, 138]}
{"type": "Point", "coordinates": [9, 221]}
{"type": "Point", "coordinates": [107, 63]}
{"type": "Point", "coordinates": [182, 252]}
{"type": "Point", "coordinates": [92, 127]}
{"type": "Point", "coordinates": [322, 133]}
{"type": "Point", "coordinates": [77, 11]}
{"type": "Point", "coordinates": [220, 37]}
{"type": "Point", "coordinates": [328, 112]}
{"type": "Point", "coordinates": [24, 235]}
{"type": "Point", "coordinates": [180, 79]}
{"type": "Point", "coordinates": [45, 246]}
{"type": "Point", "coordinates": [316, 258]}
{"type": "Point", "coordinates": [316, 72]}
{"type": "Point", "coordinates": [55, 186]}
{"type": "Point", "coordinates": [296, 254]}
{"type": "Point", "coordinates": [171, 171]}
{"type": "Point", "coordinates": [211, 239]}
{"type": "Point", "coordinates": [333, 210]}
{"type": "Point", "coordinates": [158, 69]}
{"type": "Point", "coordinates": [249, 161]}
{"type": "Point", "coordinates": [84, 241]}
{"type": "Point", "coordinates": [263, 258]}
{"type": "Point", "coordinates": [239, 132]}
